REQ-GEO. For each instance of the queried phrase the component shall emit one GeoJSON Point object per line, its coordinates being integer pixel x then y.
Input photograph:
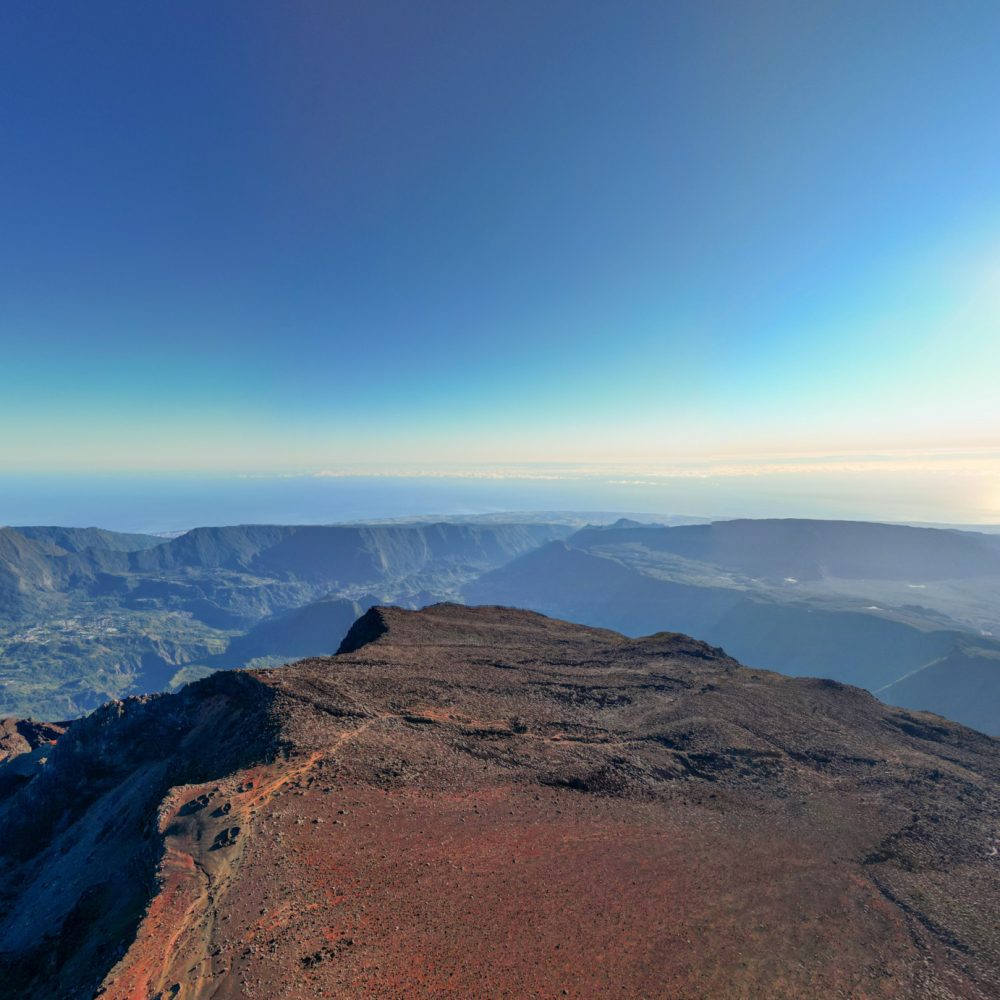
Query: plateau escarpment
{"type": "Point", "coordinates": [485, 802]}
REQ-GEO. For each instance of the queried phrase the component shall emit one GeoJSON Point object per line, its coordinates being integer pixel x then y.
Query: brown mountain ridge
{"type": "Point", "coordinates": [483, 802]}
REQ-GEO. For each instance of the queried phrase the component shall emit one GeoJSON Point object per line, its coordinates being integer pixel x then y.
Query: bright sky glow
{"type": "Point", "coordinates": [642, 239]}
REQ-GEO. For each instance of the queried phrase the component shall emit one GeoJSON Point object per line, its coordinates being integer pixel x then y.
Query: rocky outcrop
{"type": "Point", "coordinates": [18, 736]}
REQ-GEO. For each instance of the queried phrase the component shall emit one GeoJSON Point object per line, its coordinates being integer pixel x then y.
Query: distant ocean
{"type": "Point", "coordinates": [173, 503]}
{"type": "Point", "coordinates": [170, 503]}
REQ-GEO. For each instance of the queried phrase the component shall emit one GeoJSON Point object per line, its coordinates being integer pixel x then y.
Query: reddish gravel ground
{"type": "Point", "coordinates": [487, 803]}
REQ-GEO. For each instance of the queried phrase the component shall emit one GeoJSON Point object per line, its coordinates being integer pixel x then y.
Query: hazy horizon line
{"type": "Point", "coordinates": [967, 460]}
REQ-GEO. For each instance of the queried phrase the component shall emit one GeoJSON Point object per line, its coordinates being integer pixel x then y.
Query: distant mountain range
{"type": "Point", "coordinates": [912, 614]}
{"type": "Point", "coordinates": [88, 615]}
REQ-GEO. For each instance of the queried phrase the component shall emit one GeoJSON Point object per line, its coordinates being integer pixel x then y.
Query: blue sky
{"type": "Point", "coordinates": [322, 236]}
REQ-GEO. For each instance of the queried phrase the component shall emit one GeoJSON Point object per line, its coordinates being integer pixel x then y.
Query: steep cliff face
{"type": "Point", "coordinates": [347, 553]}
{"type": "Point", "coordinates": [485, 802]}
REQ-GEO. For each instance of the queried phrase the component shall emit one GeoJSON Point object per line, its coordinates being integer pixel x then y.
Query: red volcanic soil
{"type": "Point", "coordinates": [19, 736]}
{"type": "Point", "coordinates": [479, 802]}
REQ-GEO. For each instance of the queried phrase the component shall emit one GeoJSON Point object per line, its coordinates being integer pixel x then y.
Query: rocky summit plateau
{"type": "Point", "coordinates": [483, 802]}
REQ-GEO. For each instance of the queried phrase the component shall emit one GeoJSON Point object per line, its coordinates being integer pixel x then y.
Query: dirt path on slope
{"type": "Point", "coordinates": [204, 829]}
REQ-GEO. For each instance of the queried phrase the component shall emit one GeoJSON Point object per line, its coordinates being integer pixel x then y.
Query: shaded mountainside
{"type": "Point", "coordinates": [962, 684]}
{"type": "Point", "coordinates": [83, 619]}
{"type": "Point", "coordinates": [315, 630]}
{"type": "Point", "coordinates": [618, 578]}
{"type": "Point", "coordinates": [485, 802]}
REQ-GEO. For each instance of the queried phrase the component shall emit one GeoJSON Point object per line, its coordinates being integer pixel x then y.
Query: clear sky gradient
{"type": "Point", "coordinates": [318, 236]}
